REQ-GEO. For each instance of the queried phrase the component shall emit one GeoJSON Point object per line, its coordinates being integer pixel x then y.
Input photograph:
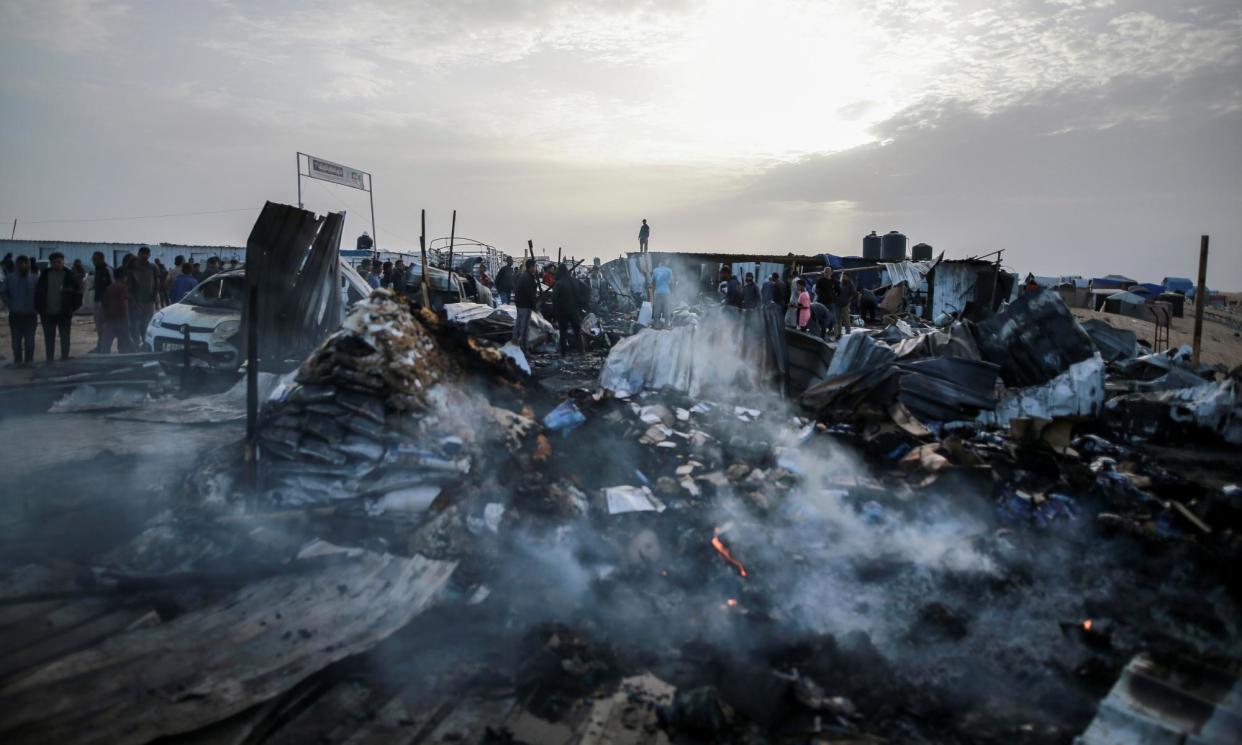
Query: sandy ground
{"type": "Point", "coordinates": [1221, 344]}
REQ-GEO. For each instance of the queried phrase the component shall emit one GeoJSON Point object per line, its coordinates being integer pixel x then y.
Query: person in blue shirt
{"type": "Point", "coordinates": [183, 283]}
{"type": "Point", "coordinates": [661, 308]}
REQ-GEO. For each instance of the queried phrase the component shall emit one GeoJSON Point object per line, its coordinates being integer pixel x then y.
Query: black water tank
{"type": "Point", "coordinates": [893, 247]}
{"type": "Point", "coordinates": [871, 246]}
{"type": "Point", "coordinates": [921, 252]}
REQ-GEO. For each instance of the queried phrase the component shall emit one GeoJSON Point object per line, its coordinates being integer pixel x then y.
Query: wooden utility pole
{"type": "Point", "coordinates": [452, 239]}
{"type": "Point", "coordinates": [422, 245]}
{"type": "Point", "coordinates": [1200, 295]}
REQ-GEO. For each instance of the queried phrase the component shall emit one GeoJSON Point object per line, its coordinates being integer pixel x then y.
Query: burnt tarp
{"type": "Point", "coordinates": [947, 389]}
{"type": "Point", "coordinates": [1214, 407]}
{"type": "Point", "coordinates": [1034, 339]}
{"type": "Point", "coordinates": [809, 358]}
{"type": "Point", "coordinates": [857, 351]}
{"type": "Point", "coordinates": [958, 340]}
{"type": "Point", "coordinates": [727, 350]}
{"type": "Point", "coordinates": [1113, 344]}
{"type": "Point", "coordinates": [292, 260]}
{"type": "Point", "coordinates": [943, 389]}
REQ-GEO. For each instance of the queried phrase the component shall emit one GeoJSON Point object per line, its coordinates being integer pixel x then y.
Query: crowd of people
{"type": "Point", "coordinates": [125, 298]}
{"type": "Point", "coordinates": [824, 306]}
{"type": "Point", "coordinates": [561, 295]}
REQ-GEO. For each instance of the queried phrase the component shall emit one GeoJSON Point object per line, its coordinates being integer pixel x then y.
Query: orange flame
{"type": "Point", "coordinates": [724, 551]}
{"type": "Point", "coordinates": [731, 602]}
{"type": "Point", "coordinates": [1086, 625]}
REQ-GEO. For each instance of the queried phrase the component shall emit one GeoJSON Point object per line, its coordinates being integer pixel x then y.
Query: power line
{"type": "Point", "coordinates": [135, 217]}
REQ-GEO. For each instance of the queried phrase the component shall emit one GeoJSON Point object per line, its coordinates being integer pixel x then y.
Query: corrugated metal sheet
{"type": "Point", "coordinates": [910, 272]}
{"type": "Point", "coordinates": [953, 285]}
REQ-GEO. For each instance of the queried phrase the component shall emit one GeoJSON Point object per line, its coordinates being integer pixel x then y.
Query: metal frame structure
{"type": "Point", "coordinates": [467, 248]}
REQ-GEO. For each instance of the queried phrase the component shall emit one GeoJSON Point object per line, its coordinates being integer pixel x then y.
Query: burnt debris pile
{"type": "Point", "coordinates": [966, 534]}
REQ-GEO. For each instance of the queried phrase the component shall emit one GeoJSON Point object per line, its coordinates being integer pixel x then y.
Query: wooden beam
{"type": "Point", "coordinates": [1200, 296]}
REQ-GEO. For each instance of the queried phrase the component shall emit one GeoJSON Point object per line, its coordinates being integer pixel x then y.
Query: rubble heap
{"type": "Point", "coordinates": [369, 413]}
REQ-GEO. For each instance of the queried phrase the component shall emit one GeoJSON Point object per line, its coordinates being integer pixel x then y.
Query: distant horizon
{"type": "Point", "coordinates": [347, 242]}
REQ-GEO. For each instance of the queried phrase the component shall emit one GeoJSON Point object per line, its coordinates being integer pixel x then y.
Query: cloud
{"type": "Point", "coordinates": [70, 26]}
{"type": "Point", "coordinates": [1068, 181]}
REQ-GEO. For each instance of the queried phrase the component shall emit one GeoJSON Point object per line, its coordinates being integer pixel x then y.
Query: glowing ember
{"type": "Point", "coordinates": [724, 551]}
{"type": "Point", "coordinates": [1086, 625]}
{"type": "Point", "coordinates": [731, 602]}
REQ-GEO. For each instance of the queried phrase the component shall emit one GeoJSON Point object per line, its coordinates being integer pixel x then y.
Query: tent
{"type": "Point", "coordinates": [1112, 281]}
{"type": "Point", "coordinates": [1147, 289]}
{"type": "Point", "coordinates": [1127, 304]}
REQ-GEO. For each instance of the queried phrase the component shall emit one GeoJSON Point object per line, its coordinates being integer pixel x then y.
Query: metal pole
{"type": "Point", "coordinates": [1200, 295]}
{"type": "Point", "coordinates": [374, 235]}
{"type": "Point", "coordinates": [530, 244]}
{"type": "Point", "coordinates": [452, 239]}
{"type": "Point", "coordinates": [422, 244]}
{"type": "Point", "coordinates": [252, 386]}
{"type": "Point", "coordinates": [14, 233]}
{"type": "Point", "coordinates": [299, 169]}
{"type": "Point", "coordinates": [185, 355]}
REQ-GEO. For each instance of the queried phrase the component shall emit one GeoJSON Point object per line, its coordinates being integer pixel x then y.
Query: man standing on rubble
{"type": "Point", "coordinates": [643, 234]}
{"type": "Point", "coordinates": [143, 289]}
{"type": "Point", "coordinates": [565, 308]}
{"type": "Point", "coordinates": [826, 288]}
{"type": "Point", "coordinates": [57, 296]}
{"type": "Point", "coordinates": [661, 306]}
{"type": "Point", "coordinates": [504, 281]}
{"type": "Point", "coordinates": [845, 296]}
{"type": "Point", "coordinates": [524, 299]}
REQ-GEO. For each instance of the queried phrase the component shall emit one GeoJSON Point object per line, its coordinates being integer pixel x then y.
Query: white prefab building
{"type": "Point", "coordinates": [114, 252]}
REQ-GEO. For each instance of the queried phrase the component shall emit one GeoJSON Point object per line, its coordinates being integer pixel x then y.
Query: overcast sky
{"type": "Point", "coordinates": [1083, 136]}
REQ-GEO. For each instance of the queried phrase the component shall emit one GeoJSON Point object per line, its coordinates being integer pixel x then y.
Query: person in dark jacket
{"type": "Point", "coordinates": [826, 288]}
{"type": "Point", "coordinates": [8, 266]}
{"type": "Point", "coordinates": [750, 293]}
{"type": "Point", "coordinates": [524, 298]}
{"type": "Point", "coordinates": [868, 305]}
{"type": "Point", "coordinates": [732, 288]}
{"type": "Point", "coordinates": [821, 317]}
{"type": "Point", "coordinates": [57, 295]}
{"type": "Point", "coordinates": [399, 271]}
{"type": "Point", "coordinates": [780, 293]}
{"type": "Point", "coordinates": [845, 296]}
{"type": "Point", "coordinates": [504, 281]}
{"type": "Point", "coordinates": [584, 296]}
{"type": "Point", "coordinates": [565, 309]}
{"type": "Point", "coordinates": [19, 297]}
{"type": "Point", "coordinates": [101, 279]}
